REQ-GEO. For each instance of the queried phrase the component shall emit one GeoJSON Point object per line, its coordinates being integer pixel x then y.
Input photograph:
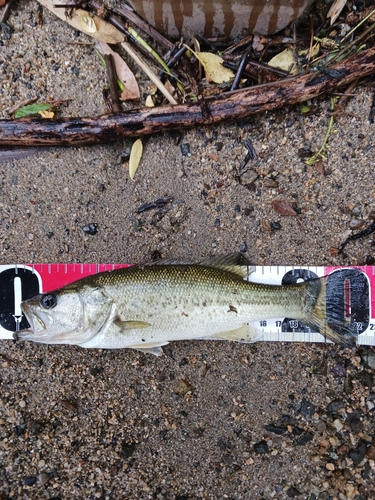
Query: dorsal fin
{"type": "Point", "coordinates": [234, 263]}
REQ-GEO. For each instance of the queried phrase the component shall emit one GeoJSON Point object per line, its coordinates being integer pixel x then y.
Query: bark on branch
{"type": "Point", "coordinates": [229, 106]}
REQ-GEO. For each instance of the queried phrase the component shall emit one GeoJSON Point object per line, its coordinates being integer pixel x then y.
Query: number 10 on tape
{"type": "Point", "coordinates": [353, 285]}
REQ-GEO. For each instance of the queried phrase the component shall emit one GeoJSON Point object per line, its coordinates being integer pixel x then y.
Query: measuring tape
{"type": "Point", "coordinates": [356, 286]}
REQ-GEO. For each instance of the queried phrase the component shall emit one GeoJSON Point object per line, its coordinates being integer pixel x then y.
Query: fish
{"type": "Point", "coordinates": [145, 307]}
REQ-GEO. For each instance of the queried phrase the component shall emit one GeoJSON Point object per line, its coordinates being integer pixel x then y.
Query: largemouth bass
{"type": "Point", "coordinates": [146, 307]}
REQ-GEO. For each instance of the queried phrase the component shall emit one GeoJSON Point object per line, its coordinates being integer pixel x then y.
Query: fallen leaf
{"type": "Point", "coordinates": [88, 23]}
{"type": "Point", "coordinates": [2, 2]}
{"type": "Point", "coordinates": [135, 158]}
{"type": "Point", "coordinates": [319, 167]}
{"type": "Point", "coordinates": [46, 114]}
{"type": "Point", "coordinates": [32, 109]}
{"type": "Point", "coordinates": [124, 73]}
{"type": "Point", "coordinates": [103, 31]}
{"type": "Point", "coordinates": [335, 10]}
{"type": "Point", "coordinates": [285, 61]}
{"type": "Point", "coordinates": [334, 251]}
{"type": "Point", "coordinates": [149, 102]}
{"type": "Point", "coordinates": [213, 67]}
{"type": "Point", "coordinates": [283, 208]}
{"type": "Point", "coordinates": [315, 49]}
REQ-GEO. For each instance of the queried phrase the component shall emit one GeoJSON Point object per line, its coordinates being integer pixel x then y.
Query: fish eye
{"type": "Point", "coordinates": [48, 301]}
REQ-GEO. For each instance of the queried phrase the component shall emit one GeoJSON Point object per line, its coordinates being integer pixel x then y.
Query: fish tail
{"type": "Point", "coordinates": [326, 314]}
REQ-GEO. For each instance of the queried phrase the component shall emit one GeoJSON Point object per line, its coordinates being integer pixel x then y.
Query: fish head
{"type": "Point", "coordinates": [70, 315]}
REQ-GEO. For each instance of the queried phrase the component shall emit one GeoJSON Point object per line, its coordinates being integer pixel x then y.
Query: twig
{"type": "Point", "coordinates": [320, 154]}
{"type": "Point", "coordinates": [148, 72]}
{"type": "Point", "coordinates": [133, 17]}
{"type": "Point", "coordinates": [231, 105]}
{"type": "Point", "coordinates": [6, 11]}
{"type": "Point", "coordinates": [112, 80]}
{"type": "Point", "coordinates": [240, 69]}
{"type": "Point", "coordinates": [361, 234]}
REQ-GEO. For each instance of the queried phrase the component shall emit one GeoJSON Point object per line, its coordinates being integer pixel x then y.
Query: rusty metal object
{"type": "Point", "coordinates": [220, 17]}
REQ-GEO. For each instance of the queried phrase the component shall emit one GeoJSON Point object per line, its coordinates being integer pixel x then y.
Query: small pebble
{"type": "Point", "coordinates": [29, 480]}
{"type": "Point", "coordinates": [338, 425]}
{"type": "Point", "coordinates": [185, 149]}
{"type": "Point", "coordinates": [90, 229]}
{"type": "Point", "coordinates": [43, 478]}
{"type": "Point", "coordinates": [261, 448]}
{"type": "Point", "coordinates": [22, 403]}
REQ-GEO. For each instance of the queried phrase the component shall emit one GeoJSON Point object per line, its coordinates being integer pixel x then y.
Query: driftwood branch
{"type": "Point", "coordinates": [228, 106]}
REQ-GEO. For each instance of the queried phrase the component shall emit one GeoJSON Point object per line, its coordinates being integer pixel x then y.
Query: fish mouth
{"type": "Point", "coordinates": [37, 321]}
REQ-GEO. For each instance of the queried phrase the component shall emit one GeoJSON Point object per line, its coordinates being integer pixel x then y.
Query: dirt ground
{"type": "Point", "coordinates": [209, 420]}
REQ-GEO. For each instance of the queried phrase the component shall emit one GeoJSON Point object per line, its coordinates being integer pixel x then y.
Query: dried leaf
{"type": "Point", "coordinates": [46, 114]}
{"type": "Point", "coordinates": [124, 73]}
{"type": "Point", "coordinates": [149, 102]}
{"type": "Point", "coordinates": [103, 31]}
{"type": "Point", "coordinates": [319, 167]}
{"type": "Point", "coordinates": [335, 10]}
{"type": "Point", "coordinates": [315, 49]}
{"type": "Point", "coordinates": [213, 67]}
{"type": "Point", "coordinates": [135, 158]}
{"type": "Point", "coordinates": [88, 23]}
{"type": "Point", "coordinates": [283, 208]}
{"type": "Point", "coordinates": [32, 109]}
{"type": "Point", "coordinates": [285, 60]}
{"type": "Point", "coordinates": [2, 2]}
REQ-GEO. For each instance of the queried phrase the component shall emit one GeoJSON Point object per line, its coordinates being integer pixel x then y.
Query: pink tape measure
{"type": "Point", "coordinates": [354, 286]}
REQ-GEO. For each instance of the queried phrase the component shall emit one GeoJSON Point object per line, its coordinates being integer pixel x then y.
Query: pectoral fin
{"type": "Point", "coordinates": [245, 333]}
{"type": "Point", "coordinates": [130, 325]}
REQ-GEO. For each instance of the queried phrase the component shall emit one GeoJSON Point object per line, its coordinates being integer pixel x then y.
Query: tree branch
{"type": "Point", "coordinates": [228, 106]}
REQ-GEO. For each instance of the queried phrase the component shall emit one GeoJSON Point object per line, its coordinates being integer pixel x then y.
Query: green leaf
{"type": "Point", "coordinates": [32, 109]}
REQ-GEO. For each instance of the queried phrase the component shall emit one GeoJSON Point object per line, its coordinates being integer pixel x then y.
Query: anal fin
{"type": "Point", "coordinates": [245, 333]}
{"type": "Point", "coordinates": [149, 347]}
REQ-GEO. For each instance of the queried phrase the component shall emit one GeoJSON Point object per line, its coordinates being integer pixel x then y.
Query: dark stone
{"type": "Point", "coordinates": [219, 146]}
{"type": "Point", "coordinates": [19, 430]}
{"type": "Point", "coordinates": [29, 480]}
{"type": "Point", "coordinates": [261, 448]}
{"type": "Point", "coordinates": [185, 149]}
{"type": "Point", "coordinates": [338, 370]}
{"type": "Point", "coordinates": [304, 439]}
{"type": "Point", "coordinates": [292, 492]}
{"type": "Point", "coordinates": [243, 247]}
{"type": "Point", "coordinates": [365, 378]}
{"type": "Point", "coordinates": [366, 471]}
{"type": "Point", "coordinates": [297, 431]}
{"type": "Point", "coordinates": [358, 454]}
{"type": "Point", "coordinates": [355, 425]}
{"type": "Point", "coordinates": [306, 408]}
{"type": "Point", "coordinates": [223, 445]}
{"type": "Point", "coordinates": [127, 449]}
{"type": "Point", "coordinates": [276, 429]}
{"type": "Point", "coordinates": [90, 229]}
{"type": "Point", "coordinates": [334, 406]}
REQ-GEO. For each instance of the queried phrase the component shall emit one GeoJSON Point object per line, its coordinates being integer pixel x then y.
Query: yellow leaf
{"type": "Point", "coordinates": [46, 114]}
{"type": "Point", "coordinates": [88, 23]}
{"type": "Point", "coordinates": [313, 53]}
{"type": "Point", "coordinates": [285, 61]}
{"type": "Point", "coordinates": [213, 67]}
{"type": "Point", "coordinates": [135, 158]}
{"type": "Point", "coordinates": [149, 102]}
